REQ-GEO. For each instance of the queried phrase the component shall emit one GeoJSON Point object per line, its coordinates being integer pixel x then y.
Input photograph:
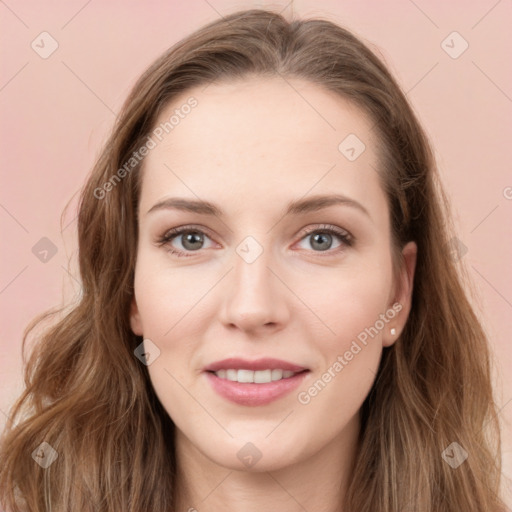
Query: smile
{"type": "Point", "coordinates": [254, 388]}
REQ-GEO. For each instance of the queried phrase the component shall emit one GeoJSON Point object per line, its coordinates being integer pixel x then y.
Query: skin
{"type": "Point", "coordinates": [251, 147]}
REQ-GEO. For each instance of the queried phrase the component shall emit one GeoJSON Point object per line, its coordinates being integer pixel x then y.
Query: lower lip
{"type": "Point", "coordinates": [248, 393]}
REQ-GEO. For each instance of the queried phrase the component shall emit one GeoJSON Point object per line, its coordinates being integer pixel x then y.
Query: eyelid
{"type": "Point", "coordinates": [326, 227]}
{"type": "Point", "coordinates": [178, 230]}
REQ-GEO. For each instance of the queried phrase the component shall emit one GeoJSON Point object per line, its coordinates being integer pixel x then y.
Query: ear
{"type": "Point", "coordinates": [135, 320]}
{"type": "Point", "coordinates": [401, 304]}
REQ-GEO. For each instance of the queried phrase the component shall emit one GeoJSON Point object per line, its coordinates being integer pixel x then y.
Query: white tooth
{"type": "Point", "coordinates": [245, 376]}
{"type": "Point", "coordinates": [287, 373]}
{"type": "Point", "coordinates": [232, 375]}
{"type": "Point", "coordinates": [277, 374]}
{"type": "Point", "coordinates": [221, 374]}
{"type": "Point", "coordinates": [262, 376]}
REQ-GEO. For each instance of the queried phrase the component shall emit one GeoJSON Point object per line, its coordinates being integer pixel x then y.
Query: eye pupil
{"type": "Point", "coordinates": [321, 239]}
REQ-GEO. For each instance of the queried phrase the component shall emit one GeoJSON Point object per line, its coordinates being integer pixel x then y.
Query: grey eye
{"type": "Point", "coordinates": [321, 240]}
{"type": "Point", "coordinates": [192, 240]}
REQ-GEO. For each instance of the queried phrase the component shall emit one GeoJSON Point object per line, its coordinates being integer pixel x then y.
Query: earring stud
{"type": "Point", "coordinates": [393, 331]}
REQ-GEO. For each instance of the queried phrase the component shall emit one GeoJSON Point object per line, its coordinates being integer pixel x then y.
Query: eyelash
{"type": "Point", "coordinates": [344, 236]}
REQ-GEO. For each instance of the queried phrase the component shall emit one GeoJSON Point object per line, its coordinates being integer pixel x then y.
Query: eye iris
{"type": "Point", "coordinates": [192, 238]}
{"type": "Point", "coordinates": [320, 239]}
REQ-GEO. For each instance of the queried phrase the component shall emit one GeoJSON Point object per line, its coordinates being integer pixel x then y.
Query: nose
{"type": "Point", "coordinates": [254, 298]}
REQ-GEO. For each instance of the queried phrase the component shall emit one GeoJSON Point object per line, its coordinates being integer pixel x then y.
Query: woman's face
{"type": "Point", "coordinates": [258, 277]}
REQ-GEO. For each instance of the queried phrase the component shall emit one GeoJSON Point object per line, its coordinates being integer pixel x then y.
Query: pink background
{"type": "Point", "coordinates": [56, 112]}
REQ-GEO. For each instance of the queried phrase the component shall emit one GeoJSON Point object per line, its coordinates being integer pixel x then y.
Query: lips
{"type": "Point", "coordinates": [254, 383]}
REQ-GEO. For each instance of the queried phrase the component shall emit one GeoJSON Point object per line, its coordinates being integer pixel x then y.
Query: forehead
{"type": "Point", "coordinates": [270, 139]}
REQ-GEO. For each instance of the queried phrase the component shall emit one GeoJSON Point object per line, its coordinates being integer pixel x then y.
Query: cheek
{"type": "Point", "coordinates": [167, 301]}
{"type": "Point", "coordinates": [349, 343]}
{"type": "Point", "coordinates": [353, 308]}
{"type": "Point", "coordinates": [347, 303]}
{"type": "Point", "coordinates": [165, 295]}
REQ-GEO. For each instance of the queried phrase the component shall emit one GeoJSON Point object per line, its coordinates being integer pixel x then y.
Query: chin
{"type": "Point", "coordinates": [256, 456]}
{"type": "Point", "coordinates": [263, 465]}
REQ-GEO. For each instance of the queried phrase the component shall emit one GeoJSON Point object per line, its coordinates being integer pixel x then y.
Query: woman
{"type": "Point", "coordinates": [270, 317]}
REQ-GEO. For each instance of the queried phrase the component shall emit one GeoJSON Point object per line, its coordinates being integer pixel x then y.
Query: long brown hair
{"type": "Point", "coordinates": [91, 400]}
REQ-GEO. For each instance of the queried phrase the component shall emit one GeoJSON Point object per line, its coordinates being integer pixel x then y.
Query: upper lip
{"type": "Point", "coordinates": [265, 363]}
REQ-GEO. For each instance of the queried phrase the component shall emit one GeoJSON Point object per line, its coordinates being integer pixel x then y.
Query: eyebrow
{"type": "Point", "coordinates": [298, 207]}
